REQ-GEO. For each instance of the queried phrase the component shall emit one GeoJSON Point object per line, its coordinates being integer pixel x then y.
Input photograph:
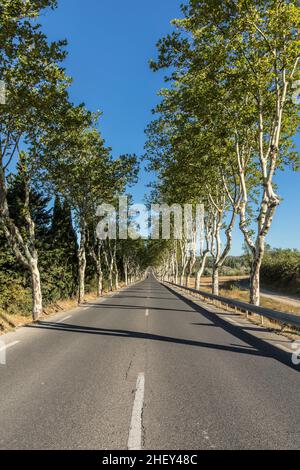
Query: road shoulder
{"type": "Point", "coordinates": [276, 344]}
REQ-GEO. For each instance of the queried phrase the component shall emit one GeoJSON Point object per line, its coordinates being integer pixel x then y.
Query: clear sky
{"type": "Point", "coordinates": [110, 44]}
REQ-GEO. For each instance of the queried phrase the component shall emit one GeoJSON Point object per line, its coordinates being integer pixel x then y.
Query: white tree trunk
{"type": "Point", "coordinates": [126, 273]}
{"type": "Point", "coordinates": [37, 301]}
{"type": "Point", "coordinates": [201, 270]}
{"type": "Point", "coordinates": [255, 271]}
{"type": "Point", "coordinates": [95, 253]}
{"type": "Point", "coordinates": [24, 251]}
{"type": "Point", "coordinates": [215, 280]}
{"type": "Point", "coordinates": [99, 283]}
{"type": "Point", "coordinates": [176, 271]}
{"type": "Point", "coordinates": [117, 279]}
{"type": "Point", "coordinates": [82, 264]}
{"type": "Point", "coordinates": [109, 260]}
{"type": "Point", "coordinates": [255, 285]}
{"type": "Point", "coordinates": [81, 281]}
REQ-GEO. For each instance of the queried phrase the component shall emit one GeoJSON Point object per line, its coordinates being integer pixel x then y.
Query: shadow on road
{"type": "Point", "coordinates": [266, 349]}
{"type": "Point", "coordinates": [136, 307]}
{"type": "Point", "coordinates": [139, 335]}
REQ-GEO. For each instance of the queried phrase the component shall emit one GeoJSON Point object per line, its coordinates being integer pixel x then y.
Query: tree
{"type": "Point", "coordinates": [35, 84]}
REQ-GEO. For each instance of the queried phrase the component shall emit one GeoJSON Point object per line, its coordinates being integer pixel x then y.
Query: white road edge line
{"type": "Point", "coordinates": [233, 321]}
{"type": "Point", "coordinates": [147, 312]}
{"type": "Point", "coordinates": [135, 431]}
{"type": "Point", "coordinates": [64, 319]}
{"type": "Point", "coordinates": [284, 348]}
{"type": "Point", "coordinates": [9, 345]}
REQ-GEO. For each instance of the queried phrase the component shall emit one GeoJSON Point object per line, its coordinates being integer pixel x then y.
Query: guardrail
{"type": "Point", "coordinates": [280, 317]}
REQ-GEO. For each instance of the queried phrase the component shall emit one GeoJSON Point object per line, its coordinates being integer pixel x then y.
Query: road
{"type": "Point", "coordinates": [291, 300]}
{"type": "Point", "coordinates": [144, 369]}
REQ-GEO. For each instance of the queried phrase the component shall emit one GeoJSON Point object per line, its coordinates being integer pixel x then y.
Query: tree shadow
{"type": "Point", "coordinates": [65, 328]}
{"type": "Point", "coordinates": [143, 297]}
{"type": "Point", "coordinates": [241, 333]}
{"type": "Point", "coordinates": [136, 307]}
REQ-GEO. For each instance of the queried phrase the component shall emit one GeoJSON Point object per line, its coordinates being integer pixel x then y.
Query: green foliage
{"type": "Point", "coordinates": [281, 269]}
{"type": "Point", "coordinates": [15, 294]}
{"type": "Point", "coordinates": [58, 258]}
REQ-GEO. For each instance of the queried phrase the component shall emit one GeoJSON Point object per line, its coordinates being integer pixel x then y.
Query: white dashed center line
{"type": "Point", "coordinates": [135, 431]}
{"type": "Point", "coordinates": [147, 312]}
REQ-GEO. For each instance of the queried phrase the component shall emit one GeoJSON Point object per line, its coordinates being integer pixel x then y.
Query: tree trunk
{"type": "Point", "coordinates": [110, 281]}
{"type": "Point", "coordinates": [198, 280]}
{"type": "Point", "coordinates": [95, 253]}
{"type": "Point", "coordinates": [215, 280]}
{"type": "Point", "coordinates": [24, 251]}
{"type": "Point", "coordinates": [255, 272]}
{"type": "Point", "coordinates": [126, 273]}
{"type": "Point", "coordinates": [201, 270]}
{"type": "Point", "coordinates": [255, 285]}
{"type": "Point", "coordinates": [176, 272]}
{"type": "Point", "coordinates": [117, 279]}
{"type": "Point", "coordinates": [115, 265]}
{"type": "Point", "coordinates": [81, 266]}
{"type": "Point", "coordinates": [37, 302]}
{"type": "Point", "coordinates": [99, 283]}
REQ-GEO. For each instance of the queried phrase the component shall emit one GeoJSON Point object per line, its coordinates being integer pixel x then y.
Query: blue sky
{"type": "Point", "coordinates": [110, 44]}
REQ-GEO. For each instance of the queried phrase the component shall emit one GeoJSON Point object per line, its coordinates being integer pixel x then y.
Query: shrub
{"type": "Point", "coordinates": [281, 269]}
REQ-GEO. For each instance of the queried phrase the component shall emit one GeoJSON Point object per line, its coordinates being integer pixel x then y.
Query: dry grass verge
{"type": "Point", "coordinates": [9, 322]}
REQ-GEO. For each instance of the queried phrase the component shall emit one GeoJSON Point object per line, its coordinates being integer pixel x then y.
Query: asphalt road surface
{"type": "Point", "coordinates": [144, 369]}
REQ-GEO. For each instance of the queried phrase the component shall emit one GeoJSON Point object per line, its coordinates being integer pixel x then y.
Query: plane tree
{"type": "Point", "coordinates": [35, 91]}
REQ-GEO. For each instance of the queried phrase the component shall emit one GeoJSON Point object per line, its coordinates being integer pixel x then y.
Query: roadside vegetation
{"type": "Point", "coordinates": [281, 270]}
